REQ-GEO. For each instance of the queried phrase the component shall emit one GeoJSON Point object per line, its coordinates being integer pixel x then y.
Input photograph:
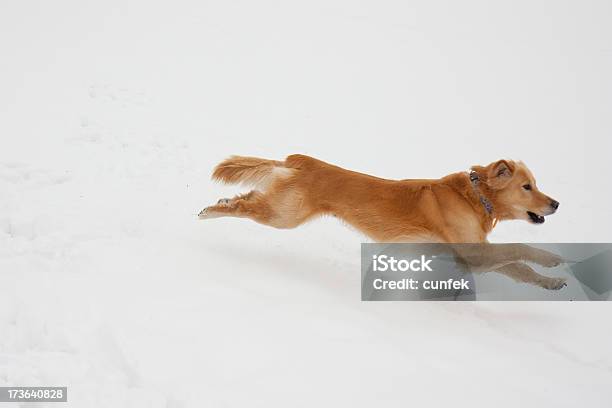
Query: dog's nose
{"type": "Point", "coordinates": [554, 204]}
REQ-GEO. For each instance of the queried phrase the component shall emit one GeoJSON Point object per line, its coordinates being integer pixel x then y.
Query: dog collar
{"type": "Point", "coordinates": [483, 200]}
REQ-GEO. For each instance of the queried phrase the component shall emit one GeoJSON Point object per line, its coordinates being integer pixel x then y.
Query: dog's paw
{"type": "Point", "coordinates": [203, 214]}
{"type": "Point", "coordinates": [553, 283]}
{"type": "Point", "coordinates": [214, 211]}
{"type": "Point", "coordinates": [548, 259]}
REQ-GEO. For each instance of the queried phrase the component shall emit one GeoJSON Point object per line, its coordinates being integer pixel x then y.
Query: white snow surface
{"type": "Point", "coordinates": [113, 114]}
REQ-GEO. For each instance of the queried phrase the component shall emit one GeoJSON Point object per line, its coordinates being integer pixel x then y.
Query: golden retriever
{"type": "Point", "coordinates": [459, 208]}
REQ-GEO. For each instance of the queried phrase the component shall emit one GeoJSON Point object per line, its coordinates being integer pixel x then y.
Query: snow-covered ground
{"type": "Point", "coordinates": [113, 113]}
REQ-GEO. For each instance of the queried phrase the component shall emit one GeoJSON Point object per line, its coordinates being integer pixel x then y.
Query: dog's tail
{"type": "Point", "coordinates": [247, 170]}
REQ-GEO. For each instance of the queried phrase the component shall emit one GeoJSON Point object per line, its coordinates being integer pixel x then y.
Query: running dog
{"type": "Point", "coordinates": [460, 208]}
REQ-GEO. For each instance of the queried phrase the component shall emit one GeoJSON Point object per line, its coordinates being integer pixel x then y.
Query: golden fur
{"type": "Point", "coordinates": [459, 208]}
{"type": "Point", "coordinates": [291, 192]}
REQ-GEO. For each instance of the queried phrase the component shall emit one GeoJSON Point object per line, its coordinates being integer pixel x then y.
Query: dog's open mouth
{"type": "Point", "coordinates": [535, 218]}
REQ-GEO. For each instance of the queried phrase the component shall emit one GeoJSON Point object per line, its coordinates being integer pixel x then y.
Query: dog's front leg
{"type": "Point", "coordinates": [527, 253]}
{"type": "Point", "coordinates": [484, 257]}
{"type": "Point", "coordinates": [521, 272]}
{"type": "Point", "coordinates": [541, 257]}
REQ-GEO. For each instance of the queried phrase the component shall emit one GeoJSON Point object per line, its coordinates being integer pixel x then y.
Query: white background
{"type": "Point", "coordinates": [113, 114]}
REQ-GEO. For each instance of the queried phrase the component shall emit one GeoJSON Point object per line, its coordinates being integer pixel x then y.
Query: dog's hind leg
{"type": "Point", "coordinates": [277, 209]}
{"type": "Point", "coordinates": [252, 205]}
{"type": "Point", "coordinates": [277, 201]}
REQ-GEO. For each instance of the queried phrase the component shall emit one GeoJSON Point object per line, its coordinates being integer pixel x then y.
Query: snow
{"type": "Point", "coordinates": [114, 113]}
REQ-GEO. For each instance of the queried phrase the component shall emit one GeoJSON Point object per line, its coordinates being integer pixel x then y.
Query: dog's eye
{"type": "Point", "coordinates": [527, 187]}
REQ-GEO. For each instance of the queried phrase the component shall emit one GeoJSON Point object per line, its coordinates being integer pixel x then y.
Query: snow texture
{"type": "Point", "coordinates": [113, 114]}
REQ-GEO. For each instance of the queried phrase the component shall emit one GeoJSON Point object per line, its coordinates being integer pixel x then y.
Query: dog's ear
{"type": "Point", "coordinates": [499, 174]}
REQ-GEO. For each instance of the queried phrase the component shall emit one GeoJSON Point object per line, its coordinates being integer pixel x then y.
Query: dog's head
{"type": "Point", "coordinates": [513, 191]}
